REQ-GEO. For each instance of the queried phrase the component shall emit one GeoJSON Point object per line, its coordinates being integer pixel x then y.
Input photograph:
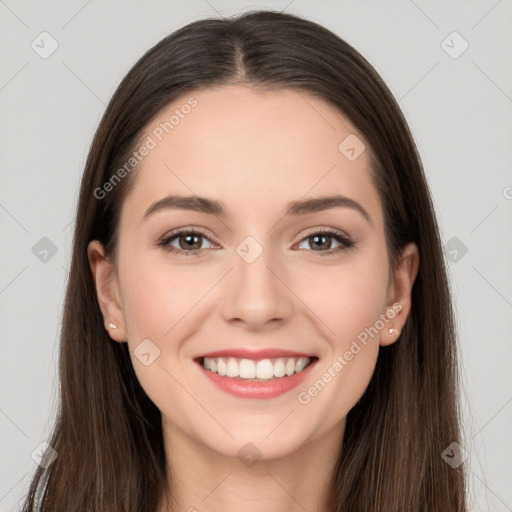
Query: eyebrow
{"type": "Point", "coordinates": [294, 208]}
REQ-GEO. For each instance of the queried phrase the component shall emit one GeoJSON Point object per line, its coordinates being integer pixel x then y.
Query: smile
{"type": "Point", "coordinates": [264, 369]}
{"type": "Point", "coordinates": [256, 378]}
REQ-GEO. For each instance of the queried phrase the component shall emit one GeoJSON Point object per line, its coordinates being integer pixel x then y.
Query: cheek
{"type": "Point", "coordinates": [340, 384]}
{"type": "Point", "coordinates": [161, 303]}
{"type": "Point", "coordinates": [156, 296]}
{"type": "Point", "coordinates": [347, 298]}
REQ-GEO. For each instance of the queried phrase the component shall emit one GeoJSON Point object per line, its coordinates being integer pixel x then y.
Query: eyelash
{"type": "Point", "coordinates": [346, 243]}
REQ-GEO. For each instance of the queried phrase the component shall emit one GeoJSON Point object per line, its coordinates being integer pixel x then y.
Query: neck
{"type": "Point", "coordinates": [201, 479]}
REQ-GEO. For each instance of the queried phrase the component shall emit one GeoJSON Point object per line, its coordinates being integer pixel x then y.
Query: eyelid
{"type": "Point", "coordinates": [303, 234]}
{"type": "Point", "coordinates": [323, 229]}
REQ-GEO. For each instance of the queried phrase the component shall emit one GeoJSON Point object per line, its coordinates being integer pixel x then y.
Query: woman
{"type": "Point", "coordinates": [258, 315]}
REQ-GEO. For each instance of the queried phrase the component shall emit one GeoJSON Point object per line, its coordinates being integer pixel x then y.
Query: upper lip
{"type": "Point", "coordinates": [247, 353]}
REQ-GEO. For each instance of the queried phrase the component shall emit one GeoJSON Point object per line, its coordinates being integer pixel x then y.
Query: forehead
{"type": "Point", "coordinates": [252, 148]}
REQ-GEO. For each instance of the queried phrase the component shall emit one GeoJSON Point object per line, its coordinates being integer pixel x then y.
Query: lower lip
{"type": "Point", "coordinates": [249, 389]}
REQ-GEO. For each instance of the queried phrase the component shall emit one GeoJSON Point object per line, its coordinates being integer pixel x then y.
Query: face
{"type": "Point", "coordinates": [253, 276]}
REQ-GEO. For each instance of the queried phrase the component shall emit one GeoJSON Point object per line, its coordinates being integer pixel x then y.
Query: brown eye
{"type": "Point", "coordinates": [189, 242]}
{"type": "Point", "coordinates": [323, 240]}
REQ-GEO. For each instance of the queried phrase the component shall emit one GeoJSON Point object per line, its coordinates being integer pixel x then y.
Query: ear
{"type": "Point", "coordinates": [107, 290]}
{"type": "Point", "coordinates": [399, 305]}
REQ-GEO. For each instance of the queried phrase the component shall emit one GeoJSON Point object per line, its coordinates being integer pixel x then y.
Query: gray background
{"type": "Point", "coordinates": [460, 113]}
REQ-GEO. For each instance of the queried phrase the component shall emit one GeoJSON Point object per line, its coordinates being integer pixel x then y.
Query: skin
{"type": "Point", "coordinates": [255, 152]}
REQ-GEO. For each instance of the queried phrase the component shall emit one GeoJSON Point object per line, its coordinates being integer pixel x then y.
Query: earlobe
{"type": "Point", "coordinates": [107, 291]}
{"type": "Point", "coordinates": [398, 309]}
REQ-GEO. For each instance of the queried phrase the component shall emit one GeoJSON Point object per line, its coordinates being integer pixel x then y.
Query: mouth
{"type": "Point", "coordinates": [265, 373]}
{"type": "Point", "coordinates": [256, 370]}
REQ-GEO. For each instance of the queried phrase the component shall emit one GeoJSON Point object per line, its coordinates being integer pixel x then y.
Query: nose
{"type": "Point", "coordinates": [255, 291]}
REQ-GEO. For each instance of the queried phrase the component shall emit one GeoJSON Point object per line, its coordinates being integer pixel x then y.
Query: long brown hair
{"type": "Point", "coordinates": [108, 433]}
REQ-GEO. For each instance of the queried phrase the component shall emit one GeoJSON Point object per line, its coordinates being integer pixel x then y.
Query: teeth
{"type": "Point", "coordinates": [301, 364]}
{"type": "Point", "coordinates": [247, 369]}
{"type": "Point", "coordinates": [221, 367]}
{"type": "Point", "coordinates": [290, 367]}
{"type": "Point", "coordinates": [232, 368]}
{"type": "Point", "coordinates": [279, 368]}
{"type": "Point", "coordinates": [263, 369]}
